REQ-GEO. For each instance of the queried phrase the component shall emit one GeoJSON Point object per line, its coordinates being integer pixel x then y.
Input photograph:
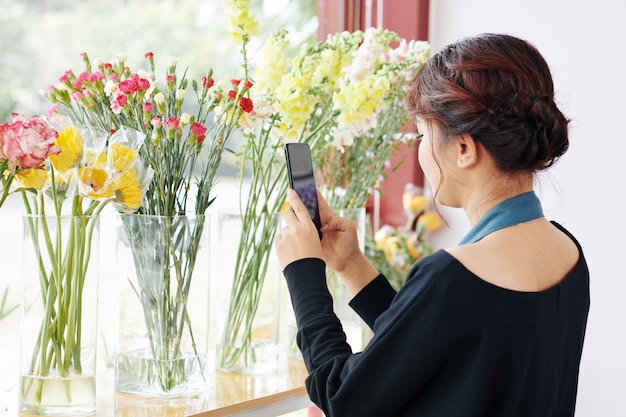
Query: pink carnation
{"type": "Point", "coordinates": [121, 99]}
{"type": "Point", "coordinates": [78, 82]}
{"type": "Point", "coordinates": [77, 95]}
{"type": "Point", "coordinates": [172, 123]}
{"type": "Point", "coordinates": [143, 84]}
{"type": "Point", "coordinates": [96, 76]}
{"type": "Point", "coordinates": [129, 86]}
{"type": "Point", "coordinates": [66, 75]}
{"type": "Point", "coordinates": [26, 143]}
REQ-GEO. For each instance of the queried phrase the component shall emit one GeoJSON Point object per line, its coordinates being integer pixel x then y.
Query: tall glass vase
{"type": "Point", "coordinates": [163, 279]}
{"type": "Point", "coordinates": [59, 315]}
{"type": "Point", "coordinates": [246, 295]}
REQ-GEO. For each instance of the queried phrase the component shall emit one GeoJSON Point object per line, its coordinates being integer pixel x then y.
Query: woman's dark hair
{"type": "Point", "coordinates": [498, 89]}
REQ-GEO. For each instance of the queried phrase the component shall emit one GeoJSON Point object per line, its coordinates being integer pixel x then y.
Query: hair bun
{"type": "Point", "coordinates": [547, 137]}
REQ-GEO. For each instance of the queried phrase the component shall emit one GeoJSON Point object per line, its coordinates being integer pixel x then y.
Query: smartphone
{"type": "Point", "coordinates": [302, 179]}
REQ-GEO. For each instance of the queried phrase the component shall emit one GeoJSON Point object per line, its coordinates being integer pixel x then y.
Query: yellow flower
{"type": "Point", "coordinates": [127, 190]}
{"type": "Point", "coordinates": [94, 183]}
{"type": "Point", "coordinates": [93, 157]}
{"type": "Point", "coordinates": [241, 24]}
{"type": "Point", "coordinates": [359, 100]}
{"type": "Point", "coordinates": [71, 144]}
{"type": "Point", "coordinates": [430, 221]}
{"type": "Point", "coordinates": [414, 203]}
{"type": "Point", "coordinates": [121, 157]}
{"type": "Point", "coordinates": [32, 178]}
{"type": "Point", "coordinates": [273, 63]}
{"type": "Point", "coordinates": [392, 247]}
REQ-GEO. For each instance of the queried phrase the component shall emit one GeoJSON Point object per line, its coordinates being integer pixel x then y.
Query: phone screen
{"type": "Point", "coordinates": [302, 179]}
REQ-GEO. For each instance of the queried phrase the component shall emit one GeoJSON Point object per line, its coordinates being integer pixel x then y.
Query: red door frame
{"type": "Point", "coordinates": [408, 18]}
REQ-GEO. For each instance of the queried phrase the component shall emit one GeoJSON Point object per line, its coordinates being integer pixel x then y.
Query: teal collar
{"type": "Point", "coordinates": [519, 209]}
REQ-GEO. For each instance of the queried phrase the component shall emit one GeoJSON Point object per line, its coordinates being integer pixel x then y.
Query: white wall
{"type": "Point", "coordinates": [584, 42]}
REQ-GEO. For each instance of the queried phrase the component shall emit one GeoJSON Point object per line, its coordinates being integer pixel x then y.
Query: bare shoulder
{"type": "Point", "coordinates": [529, 257]}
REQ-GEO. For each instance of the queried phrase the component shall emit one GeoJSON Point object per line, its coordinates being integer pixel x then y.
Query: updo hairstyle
{"type": "Point", "coordinates": [498, 89]}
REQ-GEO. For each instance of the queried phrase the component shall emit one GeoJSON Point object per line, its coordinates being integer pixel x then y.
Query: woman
{"type": "Point", "coordinates": [491, 327]}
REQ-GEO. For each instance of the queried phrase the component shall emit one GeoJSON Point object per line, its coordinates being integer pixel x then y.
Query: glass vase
{"type": "Point", "coordinates": [353, 326]}
{"type": "Point", "coordinates": [246, 294]}
{"type": "Point", "coordinates": [58, 324]}
{"type": "Point", "coordinates": [163, 279]}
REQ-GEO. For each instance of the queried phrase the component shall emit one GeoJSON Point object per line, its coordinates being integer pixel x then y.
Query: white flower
{"type": "Point", "coordinates": [159, 98]}
{"type": "Point", "coordinates": [110, 87]}
{"type": "Point", "coordinates": [172, 61]}
{"type": "Point", "coordinates": [185, 118]}
{"type": "Point", "coordinates": [180, 94]}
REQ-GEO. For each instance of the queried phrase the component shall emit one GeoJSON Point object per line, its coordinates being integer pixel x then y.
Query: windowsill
{"type": "Point", "coordinates": [229, 395]}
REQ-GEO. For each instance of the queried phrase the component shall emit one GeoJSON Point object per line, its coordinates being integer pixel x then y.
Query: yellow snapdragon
{"type": "Point", "coordinates": [273, 63]}
{"type": "Point", "coordinates": [241, 24]}
{"type": "Point", "coordinates": [359, 100]}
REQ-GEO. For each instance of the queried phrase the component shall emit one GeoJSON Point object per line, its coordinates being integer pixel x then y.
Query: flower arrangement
{"type": "Point", "coordinates": [183, 150]}
{"type": "Point", "coordinates": [291, 97]}
{"type": "Point", "coordinates": [394, 250]}
{"type": "Point", "coordinates": [342, 97]}
{"type": "Point", "coordinates": [368, 101]}
{"type": "Point", "coordinates": [66, 177]}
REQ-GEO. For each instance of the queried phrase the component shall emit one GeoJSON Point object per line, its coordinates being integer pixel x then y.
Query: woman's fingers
{"type": "Point", "coordinates": [298, 208]}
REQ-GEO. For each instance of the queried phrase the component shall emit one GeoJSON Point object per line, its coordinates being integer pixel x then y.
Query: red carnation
{"type": "Point", "coordinates": [199, 130]}
{"type": "Point", "coordinates": [246, 104]}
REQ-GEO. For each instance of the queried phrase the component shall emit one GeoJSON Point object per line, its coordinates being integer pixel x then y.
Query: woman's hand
{"type": "Point", "coordinates": [340, 243]}
{"type": "Point", "coordinates": [342, 253]}
{"type": "Point", "coordinates": [339, 246]}
{"type": "Point", "coordinates": [298, 238]}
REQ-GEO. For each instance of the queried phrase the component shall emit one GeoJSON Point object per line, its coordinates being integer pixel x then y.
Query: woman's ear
{"type": "Point", "coordinates": [466, 151]}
